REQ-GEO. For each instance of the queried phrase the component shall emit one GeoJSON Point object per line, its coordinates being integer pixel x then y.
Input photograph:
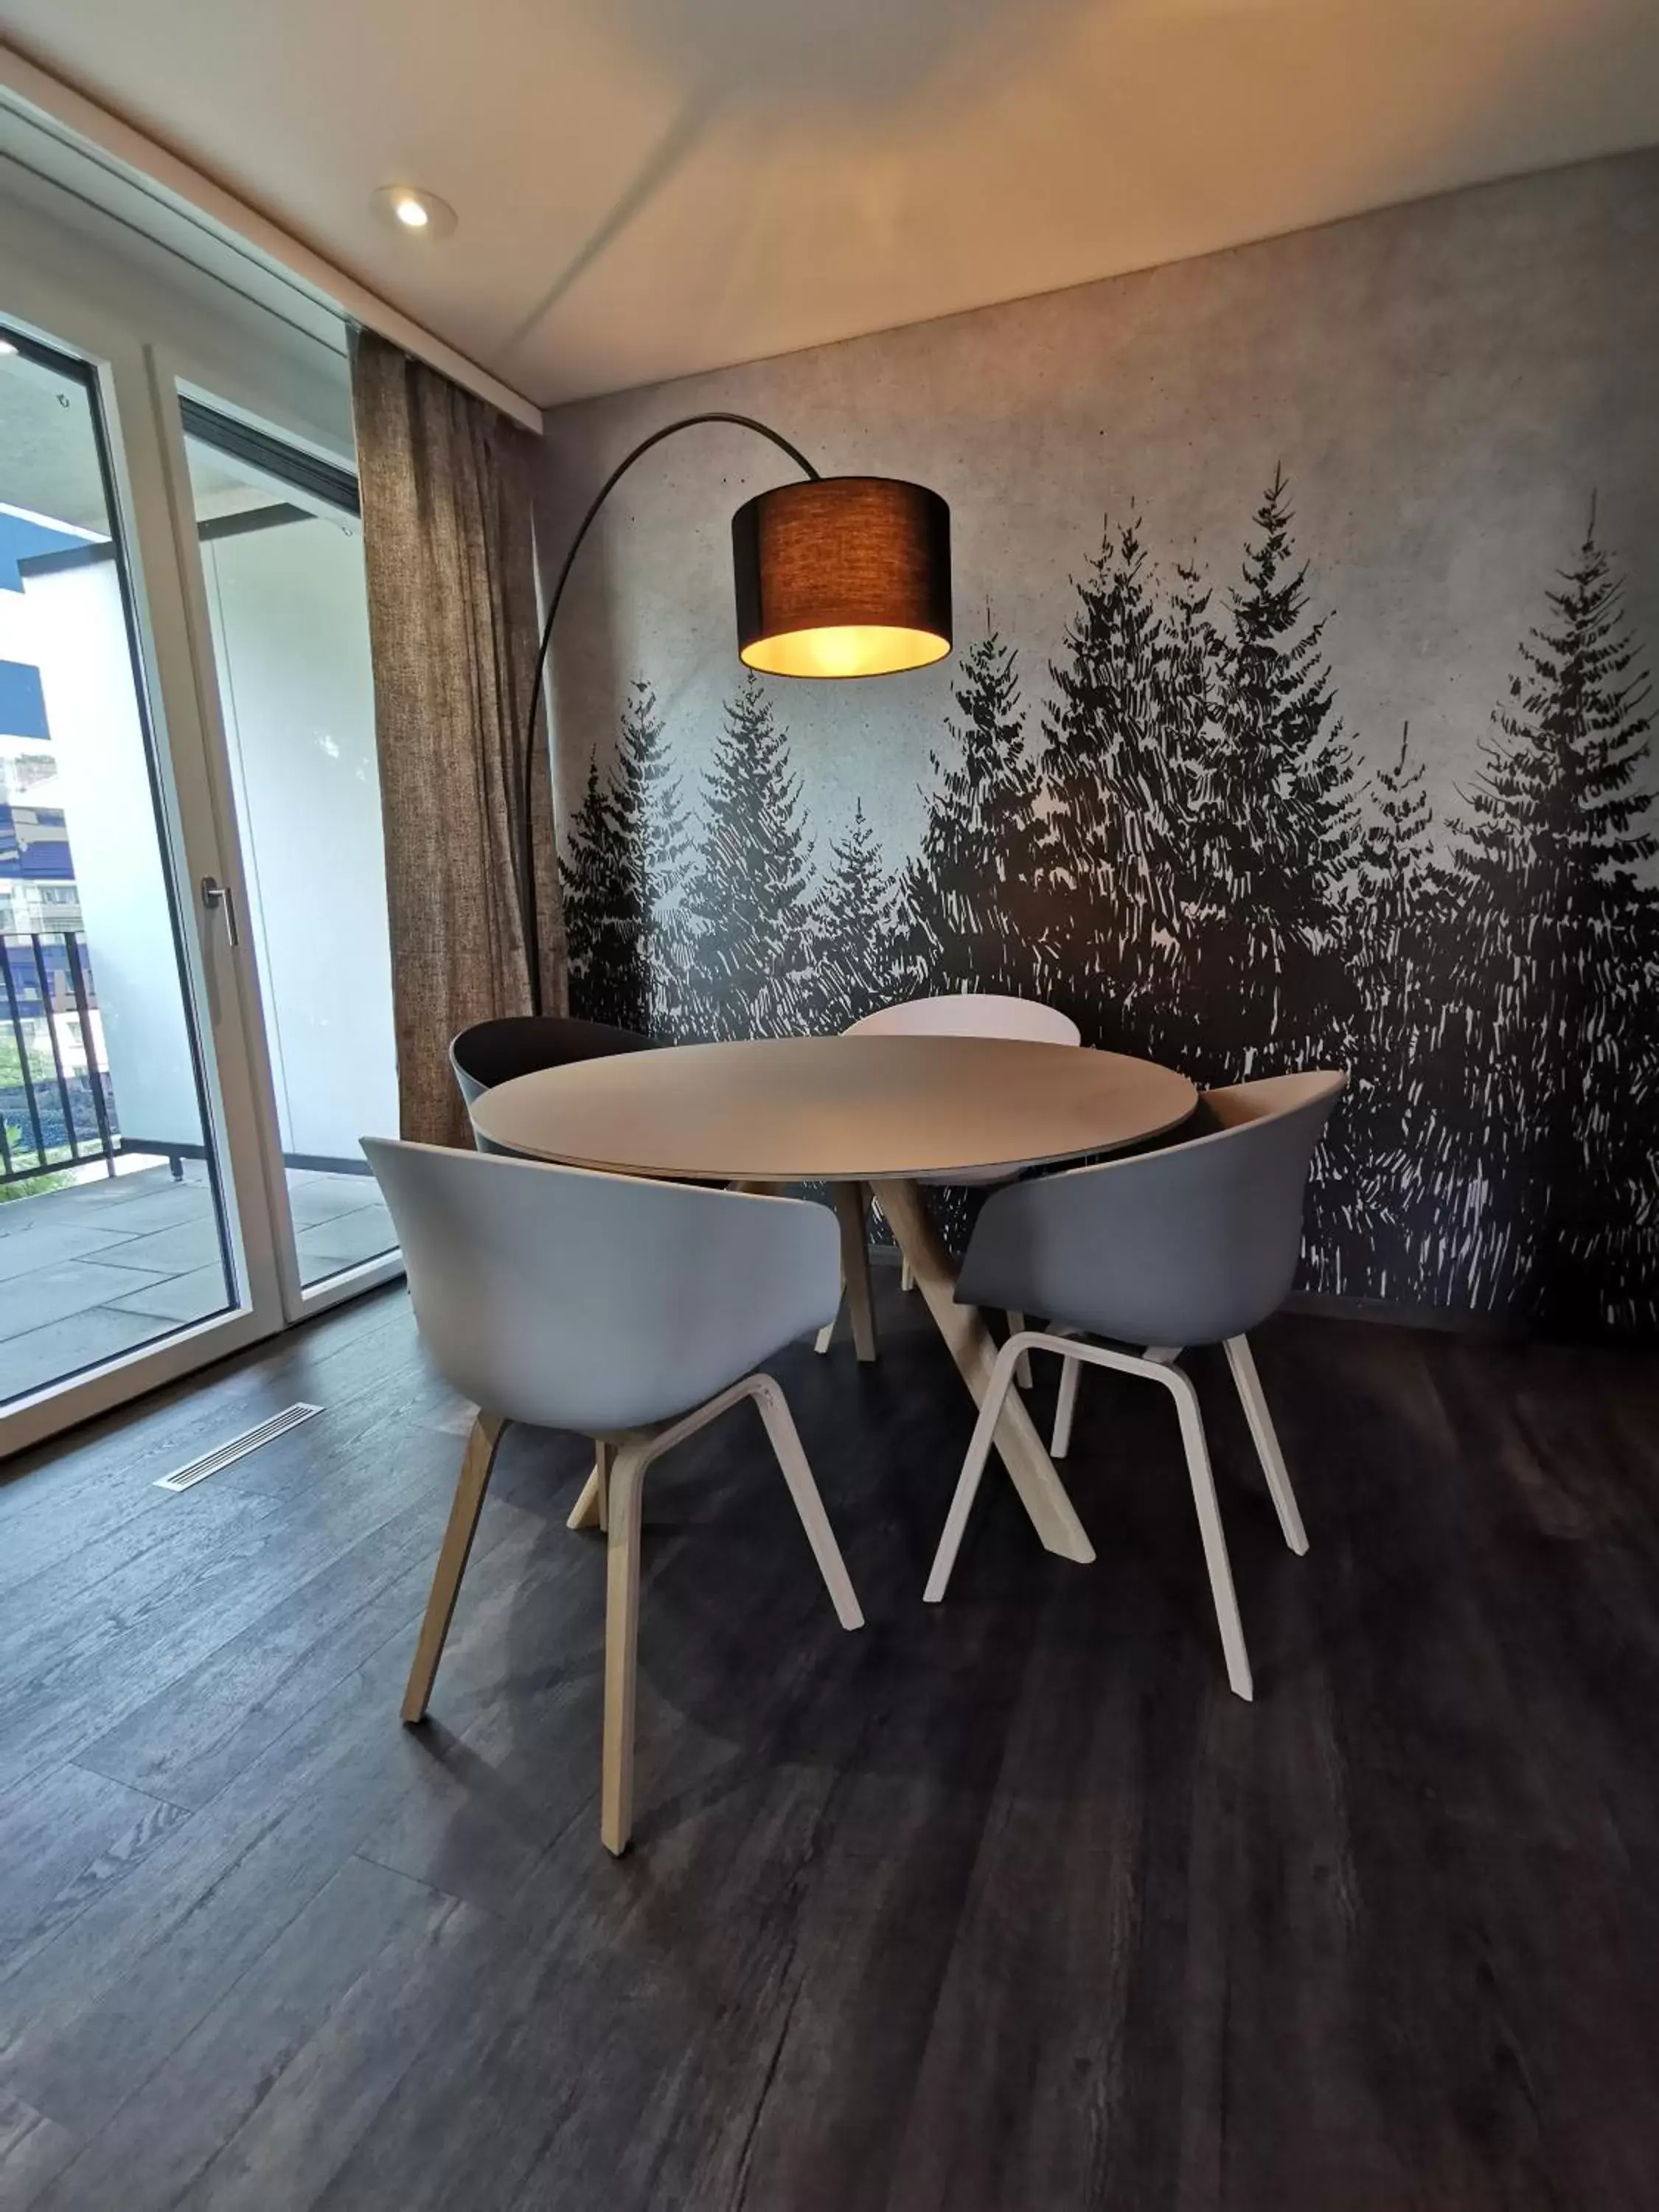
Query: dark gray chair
{"type": "Point", "coordinates": [1194, 1242]}
{"type": "Point", "coordinates": [632, 1311]}
{"type": "Point", "coordinates": [523, 1044]}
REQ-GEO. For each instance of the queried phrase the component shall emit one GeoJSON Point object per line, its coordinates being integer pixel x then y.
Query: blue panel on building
{"type": "Point", "coordinates": [34, 845]}
{"type": "Point", "coordinates": [22, 703]}
{"type": "Point", "coordinates": [22, 539]}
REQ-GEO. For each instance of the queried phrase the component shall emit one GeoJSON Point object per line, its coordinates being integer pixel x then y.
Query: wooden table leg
{"type": "Point", "coordinates": [852, 1211]}
{"type": "Point", "coordinates": [972, 1347]}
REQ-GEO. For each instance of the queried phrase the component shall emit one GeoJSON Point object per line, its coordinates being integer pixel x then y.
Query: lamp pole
{"type": "Point", "coordinates": [526, 835]}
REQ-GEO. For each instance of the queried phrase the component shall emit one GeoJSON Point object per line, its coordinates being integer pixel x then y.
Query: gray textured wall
{"type": "Point", "coordinates": [1446, 385]}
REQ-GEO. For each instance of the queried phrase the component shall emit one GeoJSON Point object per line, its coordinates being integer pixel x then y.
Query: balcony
{"type": "Point", "coordinates": [108, 1240]}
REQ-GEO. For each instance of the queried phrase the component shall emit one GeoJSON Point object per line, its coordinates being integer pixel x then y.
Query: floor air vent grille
{"type": "Point", "coordinates": [197, 1470]}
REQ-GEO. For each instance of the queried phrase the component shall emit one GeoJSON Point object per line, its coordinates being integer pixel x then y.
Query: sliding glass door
{"type": "Point", "coordinates": [195, 978]}
{"type": "Point", "coordinates": [282, 562]}
{"type": "Point", "coordinates": [122, 1251]}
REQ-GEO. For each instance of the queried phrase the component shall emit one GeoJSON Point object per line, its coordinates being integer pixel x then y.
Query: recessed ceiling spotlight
{"type": "Point", "coordinates": [416, 212]}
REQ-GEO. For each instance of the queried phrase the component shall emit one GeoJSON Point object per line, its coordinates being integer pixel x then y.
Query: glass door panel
{"type": "Point", "coordinates": [281, 559]}
{"type": "Point", "coordinates": [114, 1233]}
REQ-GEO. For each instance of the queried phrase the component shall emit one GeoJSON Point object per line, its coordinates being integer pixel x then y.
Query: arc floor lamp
{"type": "Point", "coordinates": [835, 577]}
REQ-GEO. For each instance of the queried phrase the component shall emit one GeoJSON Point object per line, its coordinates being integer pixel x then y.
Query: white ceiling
{"type": "Point", "coordinates": [650, 187]}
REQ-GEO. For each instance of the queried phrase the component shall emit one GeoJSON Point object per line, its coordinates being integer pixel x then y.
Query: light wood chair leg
{"type": "Point", "coordinates": [826, 1335]}
{"type": "Point", "coordinates": [1023, 1365]}
{"type": "Point", "coordinates": [852, 1211]}
{"type": "Point", "coordinates": [1210, 1528]}
{"type": "Point", "coordinates": [907, 1276]}
{"type": "Point", "coordinates": [622, 1626]}
{"type": "Point", "coordinates": [477, 1460]}
{"type": "Point", "coordinates": [1242, 1361]}
{"type": "Point", "coordinates": [589, 1510]}
{"type": "Point", "coordinates": [973, 1468]}
{"type": "Point", "coordinates": [797, 1473]}
{"type": "Point", "coordinates": [1070, 1373]}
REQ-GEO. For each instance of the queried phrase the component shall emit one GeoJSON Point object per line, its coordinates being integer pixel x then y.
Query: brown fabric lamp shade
{"type": "Point", "coordinates": [843, 576]}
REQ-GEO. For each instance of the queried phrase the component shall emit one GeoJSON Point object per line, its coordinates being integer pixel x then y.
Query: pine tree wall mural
{"type": "Point", "coordinates": [1178, 847]}
{"type": "Point", "coordinates": [970, 919]}
{"type": "Point", "coordinates": [749, 905]}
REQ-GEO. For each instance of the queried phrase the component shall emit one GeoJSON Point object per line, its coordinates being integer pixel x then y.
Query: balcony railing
{"type": "Point", "coordinates": [56, 1110]}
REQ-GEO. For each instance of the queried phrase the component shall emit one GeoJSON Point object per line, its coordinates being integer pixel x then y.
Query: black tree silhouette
{"type": "Point", "coordinates": [1552, 1005]}
{"type": "Point", "coordinates": [600, 927]}
{"type": "Point", "coordinates": [1105, 861]}
{"type": "Point", "coordinates": [1388, 1147]}
{"type": "Point", "coordinates": [858, 961]}
{"type": "Point", "coordinates": [748, 904]}
{"type": "Point", "coordinates": [623, 875]}
{"type": "Point", "coordinates": [1281, 828]}
{"type": "Point", "coordinates": [971, 913]}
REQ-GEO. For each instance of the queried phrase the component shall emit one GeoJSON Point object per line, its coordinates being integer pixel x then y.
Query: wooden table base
{"type": "Point", "coordinates": [972, 1347]}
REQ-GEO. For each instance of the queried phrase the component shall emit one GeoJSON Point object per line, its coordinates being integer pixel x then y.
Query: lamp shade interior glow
{"type": "Point", "coordinates": [843, 576]}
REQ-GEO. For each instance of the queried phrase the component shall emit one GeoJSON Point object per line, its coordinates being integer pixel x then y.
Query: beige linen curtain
{"type": "Point", "coordinates": [446, 493]}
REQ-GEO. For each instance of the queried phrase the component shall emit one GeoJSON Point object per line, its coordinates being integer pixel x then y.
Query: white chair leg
{"type": "Point", "coordinates": [1242, 1361]}
{"type": "Point", "coordinates": [798, 1473]}
{"type": "Point", "coordinates": [1209, 1524]}
{"type": "Point", "coordinates": [622, 1623]}
{"type": "Point", "coordinates": [973, 1468]}
{"type": "Point", "coordinates": [1071, 1374]}
{"type": "Point", "coordinates": [907, 1276]}
{"type": "Point", "coordinates": [1023, 1365]}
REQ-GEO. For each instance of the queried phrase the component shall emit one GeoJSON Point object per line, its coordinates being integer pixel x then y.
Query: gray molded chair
{"type": "Point", "coordinates": [1194, 1242]}
{"type": "Point", "coordinates": [494, 1052]}
{"type": "Point", "coordinates": [631, 1312]}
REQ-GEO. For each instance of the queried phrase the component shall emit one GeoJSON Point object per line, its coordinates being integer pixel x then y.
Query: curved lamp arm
{"type": "Point", "coordinates": [526, 835]}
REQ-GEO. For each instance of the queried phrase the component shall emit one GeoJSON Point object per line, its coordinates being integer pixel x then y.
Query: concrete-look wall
{"type": "Point", "coordinates": [1202, 838]}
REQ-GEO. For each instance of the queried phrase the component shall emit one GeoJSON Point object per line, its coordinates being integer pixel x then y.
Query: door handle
{"type": "Point", "coordinates": [219, 896]}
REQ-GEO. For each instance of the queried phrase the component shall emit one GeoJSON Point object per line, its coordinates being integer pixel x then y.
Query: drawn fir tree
{"type": "Point", "coordinates": [970, 897]}
{"type": "Point", "coordinates": [747, 905]}
{"type": "Point", "coordinates": [1553, 971]}
{"type": "Point", "coordinates": [650, 821]}
{"type": "Point", "coordinates": [1280, 823]}
{"type": "Point", "coordinates": [623, 875]}
{"type": "Point", "coordinates": [859, 960]}
{"type": "Point", "coordinates": [599, 925]}
{"type": "Point", "coordinates": [1389, 1114]}
{"type": "Point", "coordinates": [1104, 858]}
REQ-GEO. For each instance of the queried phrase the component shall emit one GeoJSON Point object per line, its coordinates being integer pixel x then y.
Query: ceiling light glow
{"type": "Point", "coordinates": [6, 346]}
{"type": "Point", "coordinates": [414, 212]}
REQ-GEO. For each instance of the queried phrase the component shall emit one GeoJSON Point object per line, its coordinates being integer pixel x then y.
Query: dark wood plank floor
{"type": "Point", "coordinates": [1007, 1903]}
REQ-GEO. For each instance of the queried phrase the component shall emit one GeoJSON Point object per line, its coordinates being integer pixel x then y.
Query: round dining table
{"type": "Point", "coordinates": [868, 1116]}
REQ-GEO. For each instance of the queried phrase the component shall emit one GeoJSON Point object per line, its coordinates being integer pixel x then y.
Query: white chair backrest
{"type": "Point", "coordinates": [598, 1302]}
{"type": "Point", "coordinates": [972, 1013]}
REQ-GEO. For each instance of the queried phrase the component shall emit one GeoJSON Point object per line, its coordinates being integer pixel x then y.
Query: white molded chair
{"type": "Point", "coordinates": [1194, 1242]}
{"type": "Point", "coordinates": [631, 1312]}
{"type": "Point", "coordinates": [968, 1013]}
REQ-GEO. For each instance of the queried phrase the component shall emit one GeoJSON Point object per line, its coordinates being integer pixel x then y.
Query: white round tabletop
{"type": "Point", "coordinates": [834, 1110]}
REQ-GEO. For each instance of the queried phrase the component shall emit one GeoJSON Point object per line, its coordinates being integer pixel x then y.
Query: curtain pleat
{"type": "Point", "coordinates": [446, 483]}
